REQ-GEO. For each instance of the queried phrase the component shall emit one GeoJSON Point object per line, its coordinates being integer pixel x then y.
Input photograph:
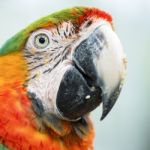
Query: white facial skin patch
{"type": "Point", "coordinates": [49, 55]}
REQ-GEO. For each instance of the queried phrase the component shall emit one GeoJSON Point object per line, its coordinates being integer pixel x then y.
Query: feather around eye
{"type": "Point", "coordinates": [39, 40]}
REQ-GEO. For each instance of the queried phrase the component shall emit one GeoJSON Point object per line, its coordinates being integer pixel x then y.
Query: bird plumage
{"type": "Point", "coordinates": [25, 123]}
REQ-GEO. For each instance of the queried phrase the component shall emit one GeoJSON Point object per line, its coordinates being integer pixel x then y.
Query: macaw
{"type": "Point", "coordinates": [53, 74]}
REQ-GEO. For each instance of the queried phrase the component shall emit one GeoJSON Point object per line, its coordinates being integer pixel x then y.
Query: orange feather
{"type": "Point", "coordinates": [18, 129]}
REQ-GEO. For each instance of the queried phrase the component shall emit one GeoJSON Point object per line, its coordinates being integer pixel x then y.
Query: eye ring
{"type": "Point", "coordinates": [41, 41]}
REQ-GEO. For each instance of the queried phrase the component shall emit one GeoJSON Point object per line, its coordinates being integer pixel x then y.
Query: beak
{"type": "Point", "coordinates": [95, 76]}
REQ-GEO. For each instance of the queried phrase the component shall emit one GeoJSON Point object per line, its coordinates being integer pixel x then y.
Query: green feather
{"type": "Point", "coordinates": [2, 147]}
{"type": "Point", "coordinates": [18, 41]}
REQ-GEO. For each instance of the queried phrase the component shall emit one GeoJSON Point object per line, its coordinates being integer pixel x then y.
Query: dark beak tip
{"type": "Point", "coordinates": [109, 103]}
{"type": "Point", "coordinates": [107, 108]}
{"type": "Point", "coordinates": [104, 114]}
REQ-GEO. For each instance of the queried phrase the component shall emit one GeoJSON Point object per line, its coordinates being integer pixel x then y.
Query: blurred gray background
{"type": "Point", "coordinates": [127, 127]}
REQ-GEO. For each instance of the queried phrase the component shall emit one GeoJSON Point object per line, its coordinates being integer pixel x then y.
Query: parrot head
{"type": "Point", "coordinates": [74, 62]}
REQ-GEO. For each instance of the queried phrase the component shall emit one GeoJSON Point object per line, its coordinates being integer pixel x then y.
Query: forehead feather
{"type": "Point", "coordinates": [76, 15]}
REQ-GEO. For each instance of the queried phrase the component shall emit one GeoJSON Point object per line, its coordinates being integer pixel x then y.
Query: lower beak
{"type": "Point", "coordinates": [84, 85]}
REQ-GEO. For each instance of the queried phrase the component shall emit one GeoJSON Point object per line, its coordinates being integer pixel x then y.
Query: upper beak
{"type": "Point", "coordinates": [95, 77]}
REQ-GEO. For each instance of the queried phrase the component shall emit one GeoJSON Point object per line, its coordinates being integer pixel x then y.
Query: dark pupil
{"type": "Point", "coordinates": [42, 40]}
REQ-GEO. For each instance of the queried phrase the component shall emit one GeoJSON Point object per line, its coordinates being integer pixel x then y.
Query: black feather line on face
{"type": "Point", "coordinates": [50, 69]}
{"type": "Point", "coordinates": [56, 56]}
{"type": "Point", "coordinates": [56, 48]}
{"type": "Point", "coordinates": [28, 55]}
{"type": "Point", "coordinates": [36, 67]}
{"type": "Point", "coordinates": [65, 52]}
{"type": "Point", "coordinates": [55, 41]}
{"type": "Point", "coordinates": [67, 28]}
{"type": "Point", "coordinates": [56, 64]}
{"type": "Point", "coordinates": [29, 63]}
{"type": "Point", "coordinates": [37, 104]}
{"type": "Point", "coordinates": [33, 77]}
{"type": "Point", "coordinates": [38, 58]}
{"type": "Point", "coordinates": [57, 30]}
{"type": "Point", "coordinates": [40, 52]}
{"type": "Point", "coordinates": [65, 35]}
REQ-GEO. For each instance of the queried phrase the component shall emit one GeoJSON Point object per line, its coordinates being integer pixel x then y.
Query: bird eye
{"type": "Point", "coordinates": [41, 41]}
